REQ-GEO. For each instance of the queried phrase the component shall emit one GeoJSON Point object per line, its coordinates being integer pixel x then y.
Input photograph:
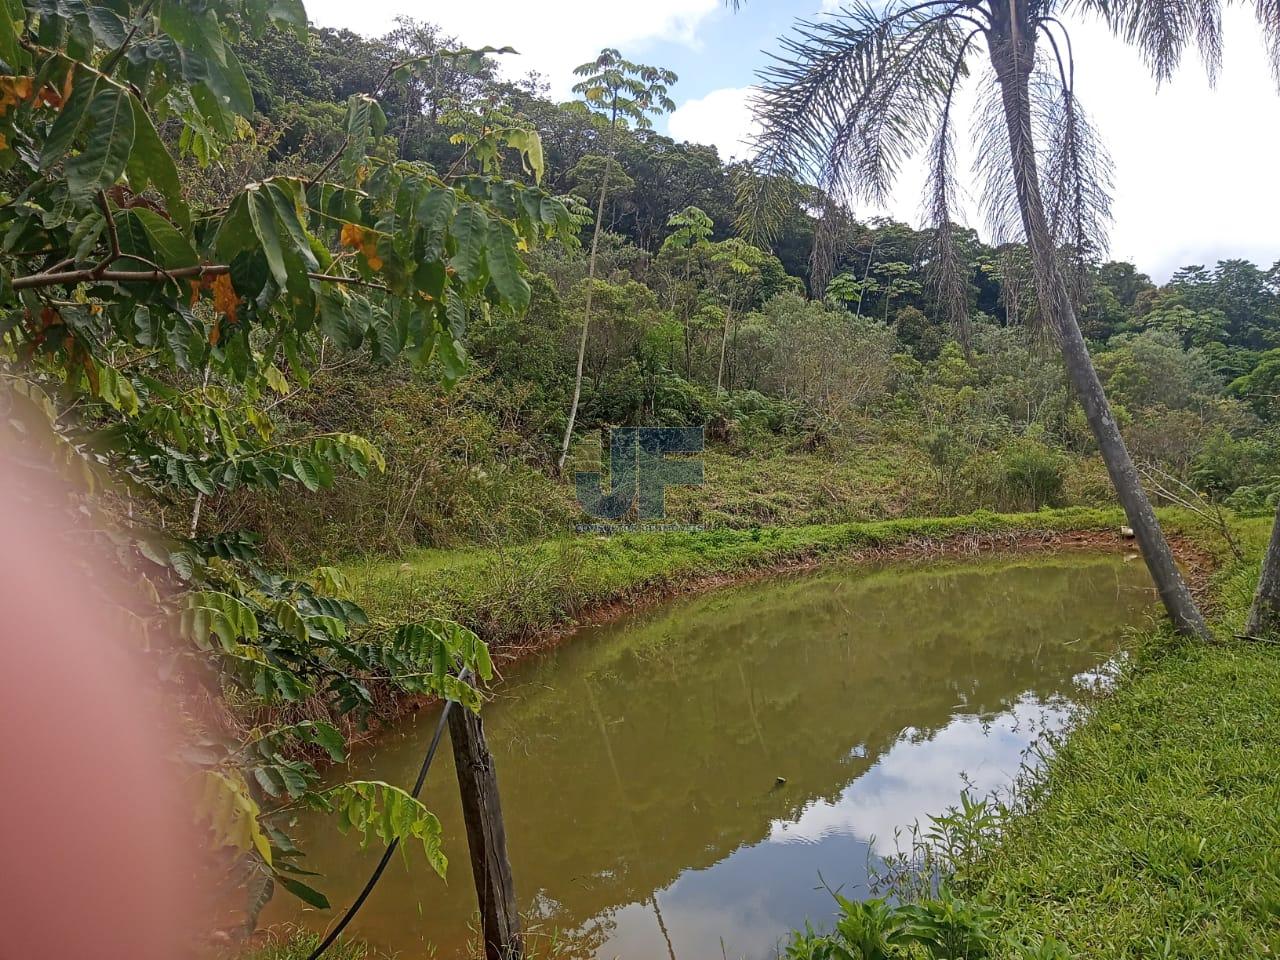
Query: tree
{"type": "Point", "coordinates": [736, 268]}
{"type": "Point", "coordinates": [691, 230]}
{"type": "Point", "coordinates": [856, 94]}
{"type": "Point", "coordinates": [845, 289]}
{"type": "Point", "coordinates": [895, 280]}
{"type": "Point", "coordinates": [1262, 388]}
{"type": "Point", "coordinates": [143, 341]}
{"type": "Point", "coordinates": [622, 91]}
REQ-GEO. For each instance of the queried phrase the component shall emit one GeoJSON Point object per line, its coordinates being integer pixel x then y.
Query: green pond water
{"type": "Point", "coordinates": [638, 760]}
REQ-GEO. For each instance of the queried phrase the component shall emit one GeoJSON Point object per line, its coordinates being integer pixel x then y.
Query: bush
{"type": "Point", "coordinates": [1257, 499]}
{"type": "Point", "coordinates": [459, 470]}
{"type": "Point", "coordinates": [1227, 463]}
{"type": "Point", "coordinates": [1028, 476]}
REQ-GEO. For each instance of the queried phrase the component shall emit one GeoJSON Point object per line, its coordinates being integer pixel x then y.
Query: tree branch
{"type": "Point", "coordinates": [113, 60]}
{"type": "Point", "coordinates": [89, 274]}
{"type": "Point", "coordinates": [113, 235]}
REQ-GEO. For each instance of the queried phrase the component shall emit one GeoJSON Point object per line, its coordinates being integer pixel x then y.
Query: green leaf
{"type": "Point", "coordinates": [434, 212]}
{"type": "Point", "coordinates": [72, 116]}
{"type": "Point", "coordinates": [232, 813]}
{"type": "Point", "coordinates": [168, 247]}
{"type": "Point", "coordinates": [85, 236]}
{"type": "Point", "coordinates": [360, 123]}
{"type": "Point", "coordinates": [199, 479]}
{"type": "Point", "coordinates": [209, 63]}
{"type": "Point", "coordinates": [290, 621]}
{"type": "Point", "coordinates": [106, 150]}
{"type": "Point", "coordinates": [452, 355]}
{"type": "Point", "coordinates": [289, 14]}
{"type": "Point", "coordinates": [328, 737]}
{"type": "Point", "coordinates": [262, 216]}
{"type": "Point", "coordinates": [377, 809]}
{"type": "Point", "coordinates": [336, 321]}
{"type": "Point", "coordinates": [530, 146]}
{"type": "Point", "coordinates": [504, 266]}
{"type": "Point", "coordinates": [276, 380]}
{"type": "Point", "coordinates": [306, 473]}
{"type": "Point", "coordinates": [108, 29]}
{"type": "Point", "coordinates": [241, 97]}
{"type": "Point", "coordinates": [307, 895]}
{"type": "Point", "coordinates": [11, 22]}
{"type": "Point", "coordinates": [150, 163]}
{"type": "Point", "coordinates": [296, 250]}
{"type": "Point", "coordinates": [470, 231]}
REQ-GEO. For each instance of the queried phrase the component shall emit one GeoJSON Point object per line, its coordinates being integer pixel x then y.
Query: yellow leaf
{"type": "Point", "coordinates": [232, 813]}
{"type": "Point", "coordinates": [276, 380]}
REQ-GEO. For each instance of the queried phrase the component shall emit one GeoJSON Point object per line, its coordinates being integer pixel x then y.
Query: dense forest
{"type": "Point", "coordinates": [860, 368]}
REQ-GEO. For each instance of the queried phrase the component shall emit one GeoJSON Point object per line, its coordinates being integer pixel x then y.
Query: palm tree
{"type": "Point", "coordinates": [854, 95]}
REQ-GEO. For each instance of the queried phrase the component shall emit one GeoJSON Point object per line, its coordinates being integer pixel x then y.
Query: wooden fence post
{"type": "Point", "coordinates": [486, 837]}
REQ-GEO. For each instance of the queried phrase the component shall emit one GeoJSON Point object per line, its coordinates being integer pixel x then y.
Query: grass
{"type": "Point", "coordinates": [874, 482]}
{"type": "Point", "coordinates": [868, 479]}
{"type": "Point", "coordinates": [298, 946]}
{"type": "Point", "coordinates": [1154, 831]}
{"type": "Point", "coordinates": [507, 594]}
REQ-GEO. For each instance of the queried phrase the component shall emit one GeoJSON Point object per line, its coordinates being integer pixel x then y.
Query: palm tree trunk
{"type": "Point", "coordinates": [586, 316]}
{"type": "Point", "coordinates": [1012, 56]}
{"type": "Point", "coordinates": [1264, 617]}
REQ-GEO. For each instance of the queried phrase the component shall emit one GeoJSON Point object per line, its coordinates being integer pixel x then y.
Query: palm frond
{"type": "Point", "coordinates": [946, 271]}
{"type": "Point", "coordinates": [1075, 169]}
{"type": "Point", "coordinates": [1076, 181]}
{"type": "Point", "coordinates": [1163, 29]}
{"type": "Point", "coordinates": [853, 95]}
{"type": "Point", "coordinates": [850, 98]}
{"type": "Point", "coordinates": [1268, 12]}
{"type": "Point", "coordinates": [763, 197]}
{"type": "Point", "coordinates": [834, 238]}
{"type": "Point", "coordinates": [997, 190]}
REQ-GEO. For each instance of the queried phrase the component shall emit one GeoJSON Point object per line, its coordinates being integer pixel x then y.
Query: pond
{"type": "Point", "coordinates": [642, 762]}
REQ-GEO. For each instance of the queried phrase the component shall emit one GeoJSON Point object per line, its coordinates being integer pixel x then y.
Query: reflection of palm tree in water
{"type": "Point", "coordinates": [653, 898]}
{"type": "Point", "coordinates": [622, 803]}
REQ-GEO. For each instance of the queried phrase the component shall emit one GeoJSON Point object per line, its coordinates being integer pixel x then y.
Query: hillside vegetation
{"type": "Point", "coordinates": [848, 400]}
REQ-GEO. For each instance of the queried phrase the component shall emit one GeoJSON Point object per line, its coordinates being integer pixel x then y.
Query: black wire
{"type": "Point", "coordinates": [387, 854]}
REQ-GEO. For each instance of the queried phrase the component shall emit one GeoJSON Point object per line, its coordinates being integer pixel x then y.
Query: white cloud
{"type": "Point", "coordinates": [1195, 167]}
{"type": "Point", "coordinates": [552, 38]}
{"type": "Point", "coordinates": [917, 779]}
{"type": "Point", "coordinates": [722, 119]}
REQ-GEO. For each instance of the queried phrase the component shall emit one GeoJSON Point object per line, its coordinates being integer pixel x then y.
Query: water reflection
{"type": "Point", "coordinates": [639, 761]}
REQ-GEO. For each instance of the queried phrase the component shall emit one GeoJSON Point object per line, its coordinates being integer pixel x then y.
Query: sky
{"type": "Point", "coordinates": [1197, 168]}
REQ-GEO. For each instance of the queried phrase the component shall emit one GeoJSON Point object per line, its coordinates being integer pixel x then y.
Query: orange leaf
{"type": "Point", "coordinates": [352, 235]}
{"type": "Point", "coordinates": [13, 90]}
{"type": "Point", "coordinates": [225, 299]}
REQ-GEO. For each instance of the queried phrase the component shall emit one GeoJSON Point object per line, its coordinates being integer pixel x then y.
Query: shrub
{"type": "Point", "coordinates": [1227, 463]}
{"type": "Point", "coordinates": [1029, 475]}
